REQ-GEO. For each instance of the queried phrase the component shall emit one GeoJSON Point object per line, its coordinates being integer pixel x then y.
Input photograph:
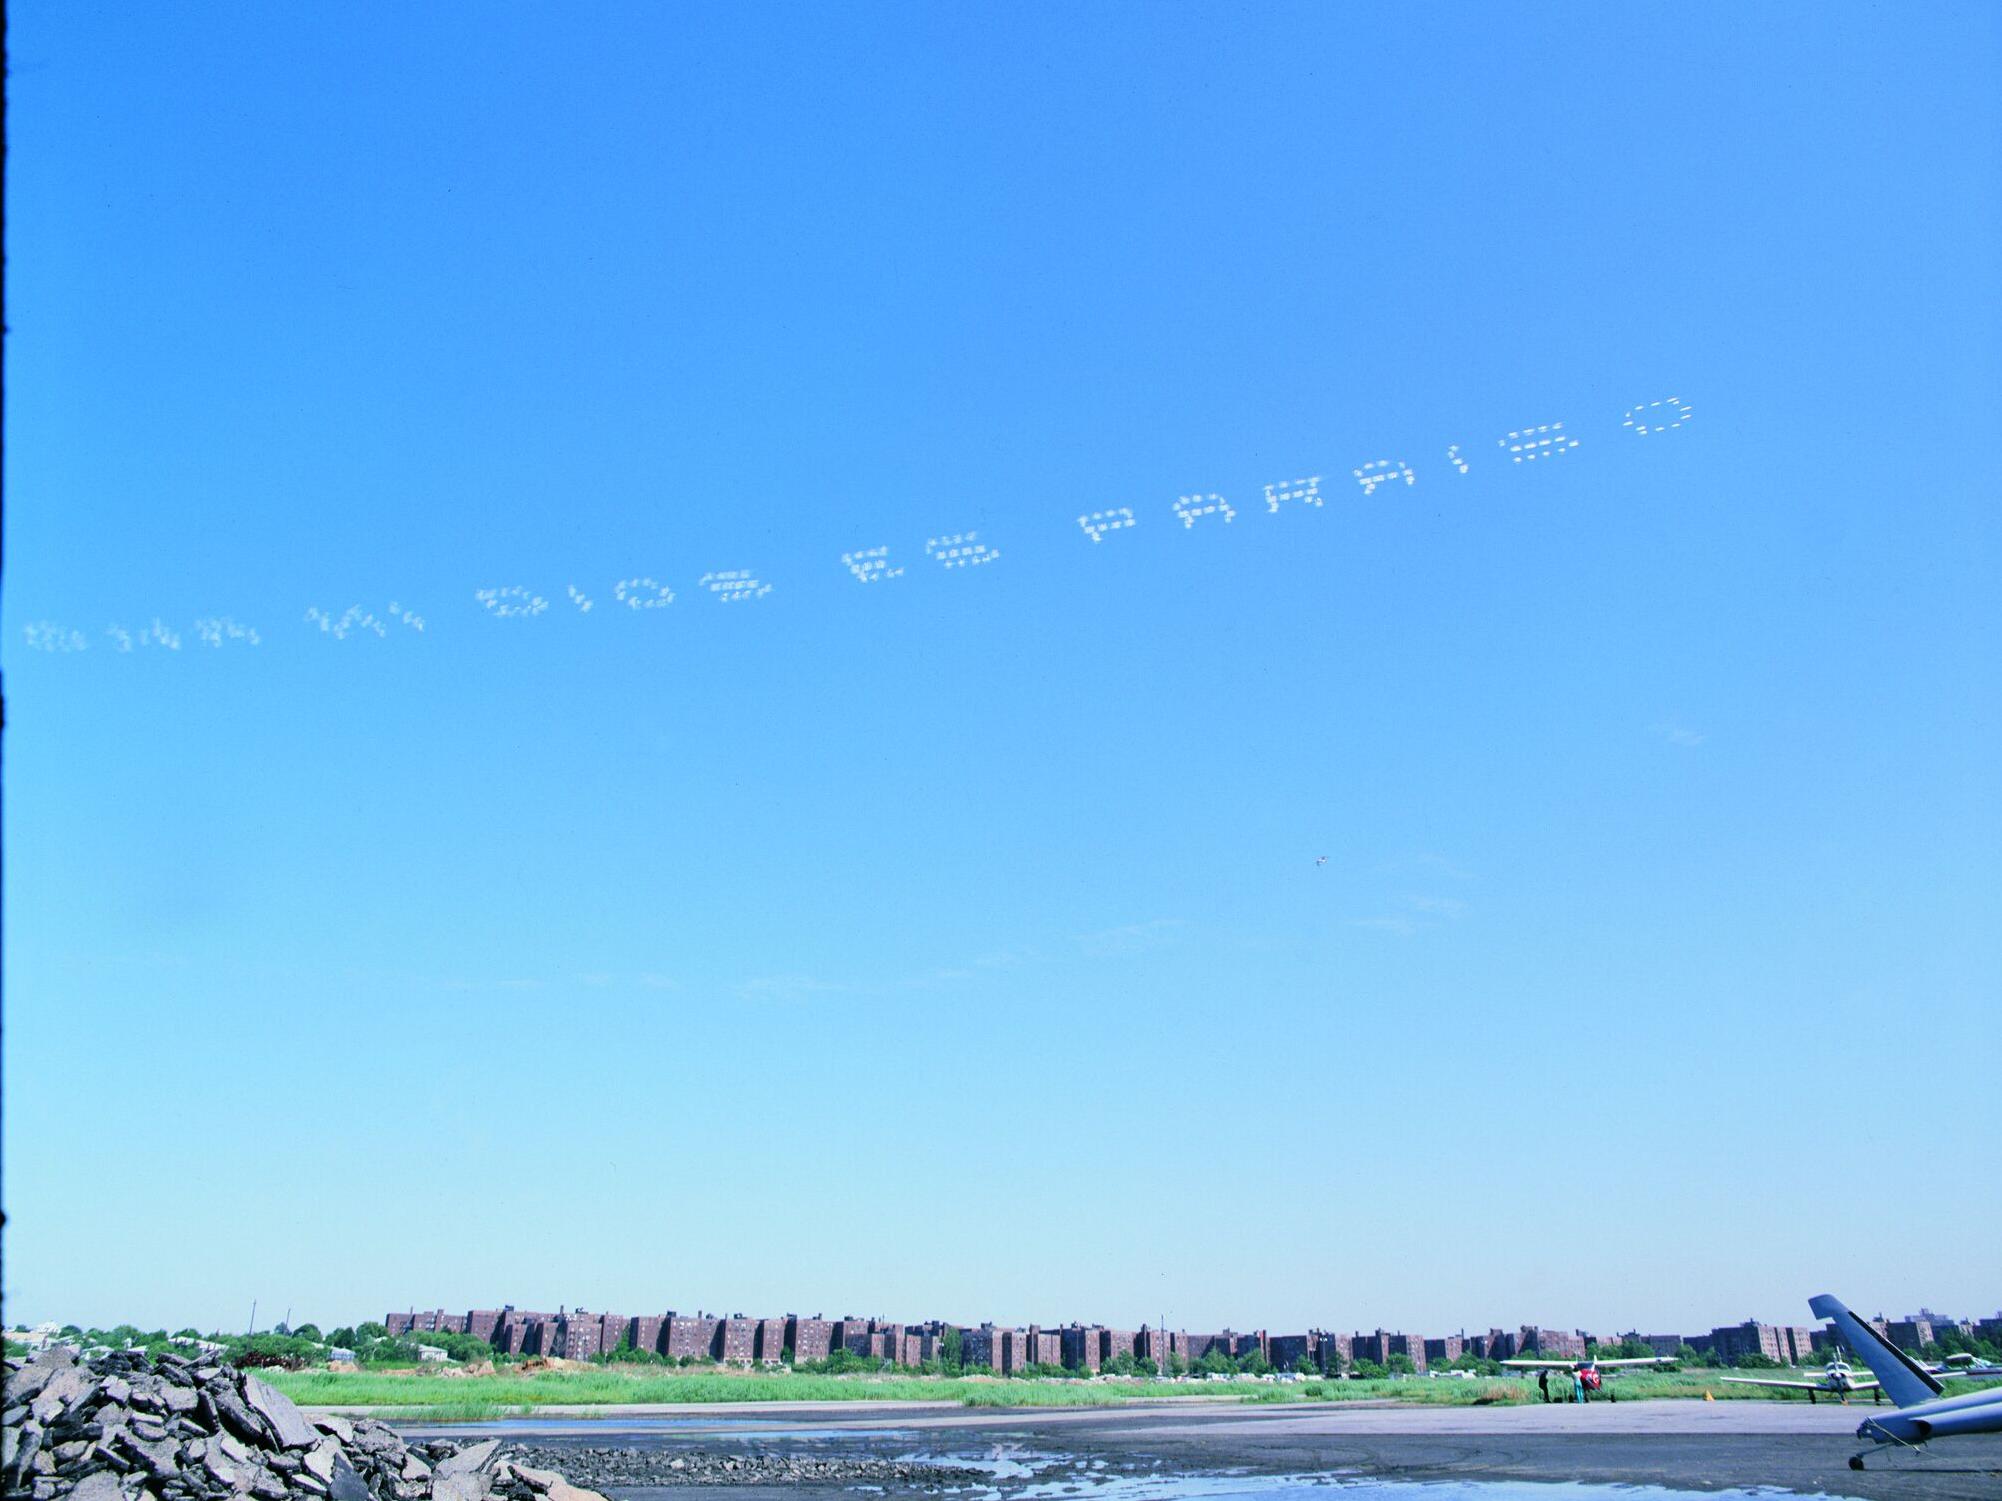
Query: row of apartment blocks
{"type": "Point", "coordinates": [575, 1334]}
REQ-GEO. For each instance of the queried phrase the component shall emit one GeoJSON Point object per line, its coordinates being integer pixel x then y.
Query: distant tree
{"type": "Point", "coordinates": [1366, 1370]}
{"type": "Point", "coordinates": [952, 1350]}
{"type": "Point", "coordinates": [1304, 1367]}
{"type": "Point", "coordinates": [343, 1337]}
{"type": "Point", "coordinates": [364, 1333]}
{"type": "Point", "coordinates": [838, 1362]}
{"type": "Point", "coordinates": [190, 1333]}
{"type": "Point", "coordinates": [309, 1331]}
{"type": "Point", "coordinates": [625, 1352]}
{"type": "Point", "coordinates": [1753, 1360]}
{"type": "Point", "coordinates": [1216, 1363]}
{"type": "Point", "coordinates": [1400, 1364]}
{"type": "Point", "coordinates": [1688, 1354]}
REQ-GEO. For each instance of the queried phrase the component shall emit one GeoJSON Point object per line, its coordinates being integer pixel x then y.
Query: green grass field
{"type": "Point", "coordinates": [508, 1393]}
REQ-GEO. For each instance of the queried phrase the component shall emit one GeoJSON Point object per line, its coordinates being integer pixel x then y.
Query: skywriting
{"type": "Point", "coordinates": [879, 563]}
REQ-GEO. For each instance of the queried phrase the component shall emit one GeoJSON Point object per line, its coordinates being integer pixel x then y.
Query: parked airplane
{"type": "Point", "coordinates": [1966, 1365]}
{"type": "Point", "coordinates": [1923, 1413]}
{"type": "Point", "coordinates": [1587, 1370]}
{"type": "Point", "coordinates": [1579, 1367]}
{"type": "Point", "coordinates": [1838, 1380]}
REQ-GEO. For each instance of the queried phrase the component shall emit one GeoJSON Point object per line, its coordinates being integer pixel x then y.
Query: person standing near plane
{"type": "Point", "coordinates": [1543, 1384]}
{"type": "Point", "coordinates": [1577, 1387]}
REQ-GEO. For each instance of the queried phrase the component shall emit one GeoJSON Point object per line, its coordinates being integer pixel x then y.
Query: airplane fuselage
{"type": "Point", "coordinates": [1978, 1412]}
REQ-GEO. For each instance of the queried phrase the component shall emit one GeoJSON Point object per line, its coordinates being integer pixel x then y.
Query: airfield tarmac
{"type": "Point", "coordinates": [1154, 1452]}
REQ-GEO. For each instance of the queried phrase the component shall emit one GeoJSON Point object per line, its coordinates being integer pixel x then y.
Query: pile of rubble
{"type": "Point", "coordinates": [130, 1427]}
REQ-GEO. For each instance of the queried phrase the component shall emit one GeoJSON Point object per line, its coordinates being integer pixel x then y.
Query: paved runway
{"type": "Point", "coordinates": [1697, 1445]}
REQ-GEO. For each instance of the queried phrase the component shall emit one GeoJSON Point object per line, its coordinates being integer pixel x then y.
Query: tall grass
{"type": "Point", "coordinates": [474, 1398]}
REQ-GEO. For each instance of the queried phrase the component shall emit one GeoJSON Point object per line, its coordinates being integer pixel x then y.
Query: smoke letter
{"type": "Point", "coordinates": [1189, 507]}
{"type": "Point", "coordinates": [1649, 417]}
{"type": "Point", "coordinates": [871, 564]}
{"type": "Point", "coordinates": [1098, 523]}
{"type": "Point", "coordinates": [1383, 472]}
{"type": "Point", "coordinates": [1533, 443]}
{"type": "Point", "coordinates": [1307, 490]}
{"type": "Point", "coordinates": [961, 550]}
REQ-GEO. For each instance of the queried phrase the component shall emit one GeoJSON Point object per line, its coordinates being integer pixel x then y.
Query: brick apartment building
{"type": "Point", "coordinates": [852, 1334]}
{"type": "Point", "coordinates": [688, 1337]}
{"type": "Point", "coordinates": [1909, 1334]}
{"type": "Point", "coordinates": [769, 1344]}
{"type": "Point", "coordinates": [1547, 1344]}
{"type": "Point", "coordinates": [1286, 1351]}
{"type": "Point", "coordinates": [1083, 1347]}
{"type": "Point", "coordinates": [808, 1339]}
{"type": "Point", "coordinates": [737, 1340]}
{"type": "Point", "coordinates": [578, 1334]}
{"type": "Point", "coordinates": [981, 1347]}
{"type": "Point", "coordinates": [1445, 1350]}
{"type": "Point", "coordinates": [1731, 1342]}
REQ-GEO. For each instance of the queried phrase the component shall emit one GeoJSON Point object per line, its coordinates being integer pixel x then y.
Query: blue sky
{"type": "Point", "coordinates": [954, 945]}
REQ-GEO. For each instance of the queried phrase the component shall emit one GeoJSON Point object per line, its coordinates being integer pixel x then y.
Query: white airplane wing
{"type": "Point", "coordinates": [1799, 1386]}
{"type": "Point", "coordinates": [1640, 1360]}
{"type": "Point", "coordinates": [1553, 1365]}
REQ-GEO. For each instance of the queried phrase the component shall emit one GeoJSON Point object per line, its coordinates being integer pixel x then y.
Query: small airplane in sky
{"type": "Point", "coordinates": [1839, 1379]}
{"type": "Point", "coordinates": [1924, 1413]}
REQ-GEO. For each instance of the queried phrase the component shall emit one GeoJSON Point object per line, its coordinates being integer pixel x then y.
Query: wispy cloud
{"type": "Point", "coordinates": [1437, 906]}
{"type": "Point", "coordinates": [1423, 912]}
{"type": "Point", "coordinates": [1429, 863]}
{"type": "Point", "coordinates": [1133, 938]}
{"type": "Point", "coordinates": [1677, 733]}
{"type": "Point", "coordinates": [1402, 927]}
{"type": "Point", "coordinates": [648, 980]}
{"type": "Point", "coordinates": [947, 975]}
{"type": "Point", "coordinates": [788, 988]}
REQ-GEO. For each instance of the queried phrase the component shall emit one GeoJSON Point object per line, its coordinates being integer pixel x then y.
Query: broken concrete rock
{"type": "Point", "coordinates": [469, 1459]}
{"type": "Point", "coordinates": [129, 1427]}
{"type": "Point", "coordinates": [288, 1424]}
{"type": "Point", "coordinates": [103, 1486]}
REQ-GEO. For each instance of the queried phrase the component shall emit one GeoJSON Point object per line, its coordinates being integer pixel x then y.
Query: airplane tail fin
{"type": "Point", "coordinates": [1904, 1380]}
